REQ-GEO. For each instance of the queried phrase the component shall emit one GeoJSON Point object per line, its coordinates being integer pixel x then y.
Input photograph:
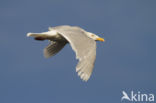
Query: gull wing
{"type": "Point", "coordinates": [53, 48]}
{"type": "Point", "coordinates": [84, 47]}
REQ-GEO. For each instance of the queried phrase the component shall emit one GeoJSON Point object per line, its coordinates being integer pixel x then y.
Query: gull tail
{"type": "Point", "coordinates": [38, 36]}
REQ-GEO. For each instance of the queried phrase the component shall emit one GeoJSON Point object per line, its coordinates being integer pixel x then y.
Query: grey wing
{"type": "Point", "coordinates": [53, 48]}
{"type": "Point", "coordinates": [84, 47]}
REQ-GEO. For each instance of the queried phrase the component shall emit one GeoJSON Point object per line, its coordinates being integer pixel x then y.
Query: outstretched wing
{"type": "Point", "coordinates": [53, 48]}
{"type": "Point", "coordinates": [84, 47]}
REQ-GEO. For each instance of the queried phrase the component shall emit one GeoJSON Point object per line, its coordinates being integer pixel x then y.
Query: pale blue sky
{"type": "Point", "coordinates": [126, 61]}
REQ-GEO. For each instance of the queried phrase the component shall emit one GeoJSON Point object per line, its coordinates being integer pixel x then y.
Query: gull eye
{"type": "Point", "coordinates": [92, 35]}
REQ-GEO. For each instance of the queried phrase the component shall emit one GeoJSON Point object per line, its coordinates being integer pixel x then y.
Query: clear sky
{"type": "Point", "coordinates": [126, 61]}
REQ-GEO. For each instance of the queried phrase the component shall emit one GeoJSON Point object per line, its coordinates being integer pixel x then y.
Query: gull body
{"type": "Point", "coordinates": [81, 41]}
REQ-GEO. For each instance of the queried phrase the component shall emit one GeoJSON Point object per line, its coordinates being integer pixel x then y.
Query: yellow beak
{"type": "Point", "coordinates": [100, 39]}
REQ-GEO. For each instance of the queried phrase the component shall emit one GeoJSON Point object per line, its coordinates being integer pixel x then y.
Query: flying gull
{"type": "Point", "coordinates": [81, 41]}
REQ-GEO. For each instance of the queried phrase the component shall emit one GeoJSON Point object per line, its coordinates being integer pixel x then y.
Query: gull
{"type": "Point", "coordinates": [82, 42]}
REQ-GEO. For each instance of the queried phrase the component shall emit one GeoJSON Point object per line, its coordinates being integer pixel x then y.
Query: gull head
{"type": "Point", "coordinates": [95, 37]}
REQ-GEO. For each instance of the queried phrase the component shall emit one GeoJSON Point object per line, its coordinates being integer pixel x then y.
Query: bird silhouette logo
{"type": "Point", "coordinates": [125, 96]}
